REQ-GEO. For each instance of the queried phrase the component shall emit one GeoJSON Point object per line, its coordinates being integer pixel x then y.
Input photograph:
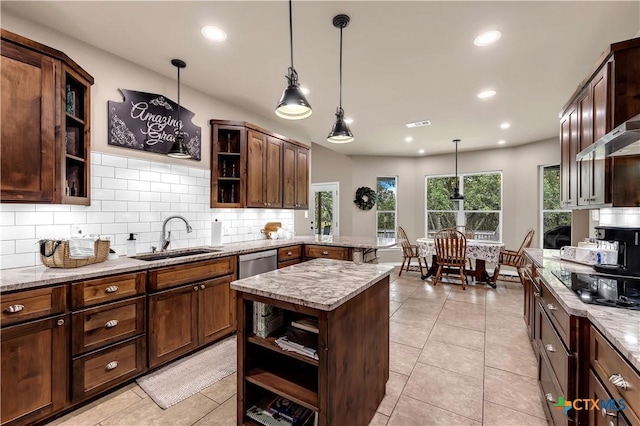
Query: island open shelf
{"type": "Point", "coordinates": [347, 382]}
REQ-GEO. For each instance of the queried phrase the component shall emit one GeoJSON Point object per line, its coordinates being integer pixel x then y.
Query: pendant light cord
{"type": "Point", "coordinates": [341, 67]}
{"type": "Point", "coordinates": [456, 164]}
{"type": "Point", "coordinates": [179, 122]}
{"type": "Point", "coordinates": [291, 31]}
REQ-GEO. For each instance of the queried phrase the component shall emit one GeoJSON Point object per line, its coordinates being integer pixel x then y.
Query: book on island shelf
{"type": "Point", "coordinates": [279, 411]}
{"type": "Point", "coordinates": [287, 345]}
{"type": "Point", "coordinates": [266, 319]}
{"type": "Point", "coordinates": [308, 324]}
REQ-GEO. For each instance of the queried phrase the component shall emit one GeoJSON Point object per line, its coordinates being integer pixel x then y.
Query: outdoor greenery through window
{"type": "Point", "coordinates": [480, 213]}
{"type": "Point", "coordinates": [323, 202]}
{"type": "Point", "coordinates": [386, 215]}
{"type": "Point", "coordinates": [556, 223]}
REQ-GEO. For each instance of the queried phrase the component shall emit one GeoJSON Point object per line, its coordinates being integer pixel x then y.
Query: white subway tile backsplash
{"type": "Point", "coordinates": [34, 218]}
{"type": "Point", "coordinates": [131, 196]}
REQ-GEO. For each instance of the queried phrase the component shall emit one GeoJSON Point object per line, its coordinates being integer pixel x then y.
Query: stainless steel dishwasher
{"type": "Point", "coordinates": [257, 263]}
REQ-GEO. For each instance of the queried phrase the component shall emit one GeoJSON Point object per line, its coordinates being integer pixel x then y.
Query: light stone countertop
{"type": "Point", "coordinates": [620, 326]}
{"type": "Point", "coordinates": [322, 284]}
{"type": "Point", "coordinates": [41, 276]}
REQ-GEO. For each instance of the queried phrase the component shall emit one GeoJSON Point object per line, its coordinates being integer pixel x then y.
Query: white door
{"type": "Point", "coordinates": [325, 208]}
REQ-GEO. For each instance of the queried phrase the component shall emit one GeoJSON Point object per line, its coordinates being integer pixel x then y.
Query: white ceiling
{"type": "Point", "coordinates": [403, 61]}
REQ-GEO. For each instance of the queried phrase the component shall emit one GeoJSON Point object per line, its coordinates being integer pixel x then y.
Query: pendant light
{"type": "Point", "coordinates": [179, 149]}
{"type": "Point", "coordinates": [340, 132]}
{"type": "Point", "coordinates": [456, 196]}
{"type": "Point", "coordinates": [293, 105]}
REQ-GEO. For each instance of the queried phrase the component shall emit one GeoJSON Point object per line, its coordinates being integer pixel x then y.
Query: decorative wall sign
{"type": "Point", "coordinates": [148, 121]}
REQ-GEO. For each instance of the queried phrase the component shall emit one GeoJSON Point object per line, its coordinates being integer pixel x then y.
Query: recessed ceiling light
{"type": "Point", "coordinates": [213, 33]}
{"type": "Point", "coordinates": [421, 151]}
{"type": "Point", "coordinates": [487, 38]}
{"type": "Point", "coordinates": [501, 142]}
{"type": "Point", "coordinates": [505, 125]}
{"type": "Point", "coordinates": [305, 90]}
{"type": "Point", "coordinates": [348, 120]}
{"type": "Point", "coordinates": [420, 123]}
{"type": "Point", "coordinates": [408, 139]}
{"type": "Point", "coordinates": [486, 94]}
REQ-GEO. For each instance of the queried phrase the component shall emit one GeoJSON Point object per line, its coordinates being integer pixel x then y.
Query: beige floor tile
{"type": "Point", "coordinates": [404, 283]}
{"type": "Point", "coordinates": [514, 339]}
{"type": "Point", "coordinates": [506, 306]}
{"type": "Point", "coordinates": [470, 295]}
{"type": "Point", "coordinates": [462, 319]}
{"type": "Point", "coordinates": [515, 361]}
{"type": "Point", "coordinates": [411, 412]}
{"type": "Point", "coordinates": [402, 358]}
{"type": "Point", "coordinates": [415, 317]}
{"type": "Point", "coordinates": [437, 294]}
{"type": "Point", "coordinates": [395, 385]}
{"type": "Point", "coordinates": [512, 324]}
{"type": "Point", "coordinates": [518, 392]}
{"type": "Point", "coordinates": [398, 296]}
{"type": "Point", "coordinates": [402, 288]}
{"type": "Point", "coordinates": [498, 415]}
{"type": "Point", "coordinates": [410, 335]}
{"type": "Point", "coordinates": [224, 415]}
{"type": "Point", "coordinates": [458, 336]}
{"type": "Point", "coordinates": [223, 389]}
{"type": "Point", "coordinates": [379, 420]}
{"type": "Point", "coordinates": [431, 305]}
{"type": "Point", "coordinates": [445, 389]}
{"type": "Point", "coordinates": [101, 409]}
{"type": "Point", "coordinates": [393, 307]}
{"type": "Point", "coordinates": [466, 307]}
{"type": "Point", "coordinates": [453, 358]}
{"type": "Point", "coordinates": [141, 393]}
{"type": "Point", "coordinates": [147, 412]}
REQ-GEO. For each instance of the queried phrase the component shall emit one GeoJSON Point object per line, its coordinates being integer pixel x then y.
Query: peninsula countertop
{"type": "Point", "coordinates": [40, 276]}
{"type": "Point", "coordinates": [620, 326]}
{"type": "Point", "coordinates": [322, 284]}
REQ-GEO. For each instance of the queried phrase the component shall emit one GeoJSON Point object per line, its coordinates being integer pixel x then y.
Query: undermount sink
{"type": "Point", "coordinates": [172, 254]}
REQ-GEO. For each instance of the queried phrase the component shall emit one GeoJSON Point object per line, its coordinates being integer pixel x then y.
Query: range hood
{"type": "Point", "coordinates": [621, 141]}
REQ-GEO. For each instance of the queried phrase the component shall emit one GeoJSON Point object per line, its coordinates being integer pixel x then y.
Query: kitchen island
{"type": "Point", "coordinates": [350, 302]}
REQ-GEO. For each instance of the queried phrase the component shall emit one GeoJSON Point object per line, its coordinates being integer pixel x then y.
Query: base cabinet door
{"type": "Point", "coordinates": [216, 309]}
{"type": "Point", "coordinates": [35, 360]}
{"type": "Point", "coordinates": [172, 324]}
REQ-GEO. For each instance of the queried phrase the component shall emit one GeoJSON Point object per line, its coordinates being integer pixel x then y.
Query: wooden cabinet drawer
{"type": "Point", "coordinates": [559, 317]}
{"type": "Point", "coordinates": [337, 253]}
{"type": "Point", "coordinates": [286, 254]}
{"type": "Point", "coordinates": [172, 276]}
{"type": "Point", "coordinates": [288, 263]}
{"type": "Point", "coordinates": [609, 413]}
{"type": "Point", "coordinates": [620, 379]}
{"type": "Point", "coordinates": [561, 361]}
{"type": "Point", "coordinates": [100, 326]}
{"type": "Point", "coordinates": [97, 371]}
{"type": "Point", "coordinates": [33, 304]}
{"type": "Point", "coordinates": [551, 392]}
{"type": "Point", "coordinates": [107, 289]}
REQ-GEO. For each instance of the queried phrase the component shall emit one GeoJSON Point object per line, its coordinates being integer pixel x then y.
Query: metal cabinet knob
{"type": "Point", "coordinates": [550, 398]}
{"type": "Point", "coordinates": [202, 286]}
{"type": "Point", "coordinates": [111, 323]}
{"type": "Point", "coordinates": [111, 289]}
{"type": "Point", "coordinates": [195, 288]}
{"type": "Point", "coordinates": [551, 307]}
{"type": "Point", "coordinates": [325, 253]}
{"type": "Point", "coordinates": [13, 309]}
{"type": "Point", "coordinates": [536, 293]}
{"type": "Point", "coordinates": [289, 253]}
{"type": "Point", "coordinates": [111, 365]}
{"type": "Point", "coordinates": [60, 322]}
{"type": "Point", "coordinates": [606, 413]}
{"type": "Point", "coordinates": [549, 347]}
{"type": "Point", "coordinates": [618, 381]}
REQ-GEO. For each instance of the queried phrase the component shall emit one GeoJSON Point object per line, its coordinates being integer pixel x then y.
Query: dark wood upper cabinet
{"type": "Point", "coordinates": [609, 96]}
{"type": "Point", "coordinates": [267, 171]}
{"type": "Point", "coordinates": [45, 111]}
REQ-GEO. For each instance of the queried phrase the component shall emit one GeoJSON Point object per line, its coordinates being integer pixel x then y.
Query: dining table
{"type": "Point", "coordinates": [481, 251]}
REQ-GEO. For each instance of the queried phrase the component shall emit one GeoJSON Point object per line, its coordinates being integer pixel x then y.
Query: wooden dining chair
{"type": "Point", "coordinates": [451, 252]}
{"type": "Point", "coordinates": [514, 259]}
{"type": "Point", "coordinates": [409, 251]}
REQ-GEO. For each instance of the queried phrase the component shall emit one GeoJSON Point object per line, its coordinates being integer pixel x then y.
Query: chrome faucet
{"type": "Point", "coordinates": [166, 238]}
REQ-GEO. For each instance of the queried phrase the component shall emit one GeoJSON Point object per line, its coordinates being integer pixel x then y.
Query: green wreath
{"type": "Point", "coordinates": [365, 198]}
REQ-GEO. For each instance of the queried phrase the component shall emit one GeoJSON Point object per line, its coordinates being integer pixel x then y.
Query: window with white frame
{"type": "Point", "coordinates": [556, 222]}
{"type": "Point", "coordinates": [387, 206]}
{"type": "Point", "coordinates": [480, 212]}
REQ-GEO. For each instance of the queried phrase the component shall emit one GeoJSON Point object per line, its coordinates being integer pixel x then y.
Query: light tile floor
{"type": "Point", "coordinates": [457, 358]}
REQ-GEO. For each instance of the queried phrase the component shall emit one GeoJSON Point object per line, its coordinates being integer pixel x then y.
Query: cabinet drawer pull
{"type": "Point", "coordinates": [549, 347]}
{"type": "Point", "coordinates": [550, 398]}
{"type": "Point", "coordinates": [605, 413]}
{"type": "Point", "coordinates": [111, 323]}
{"type": "Point", "coordinates": [619, 381]}
{"type": "Point", "coordinates": [111, 365]}
{"type": "Point", "coordinates": [111, 289]}
{"type": "Point", "coordinates": [60, 322]}
{"type": "Point", "coordinates": [202, 286]}
{"type": "Point", "coordinates": [195, 288]}
{"type": "Point", "coordinates": [536, 293]}
{"type": "Point", "coordinates": [551, 307]}
{"type": "Point", "coordinates": [289, 253]}
{"type": "Point", "coordinates": [324, 253]}
{"type": "Point", "coordinates": [14, 309]}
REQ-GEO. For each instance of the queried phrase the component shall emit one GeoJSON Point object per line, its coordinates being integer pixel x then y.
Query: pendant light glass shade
{"type": "Point", "coordinates": [179, 149]}
{"type": "Point", "coordinates": [456, 196]}
{"type": "Point", "coordinates": [340, 132]}
{"type": "Point", "coordinates": [293, 105]}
